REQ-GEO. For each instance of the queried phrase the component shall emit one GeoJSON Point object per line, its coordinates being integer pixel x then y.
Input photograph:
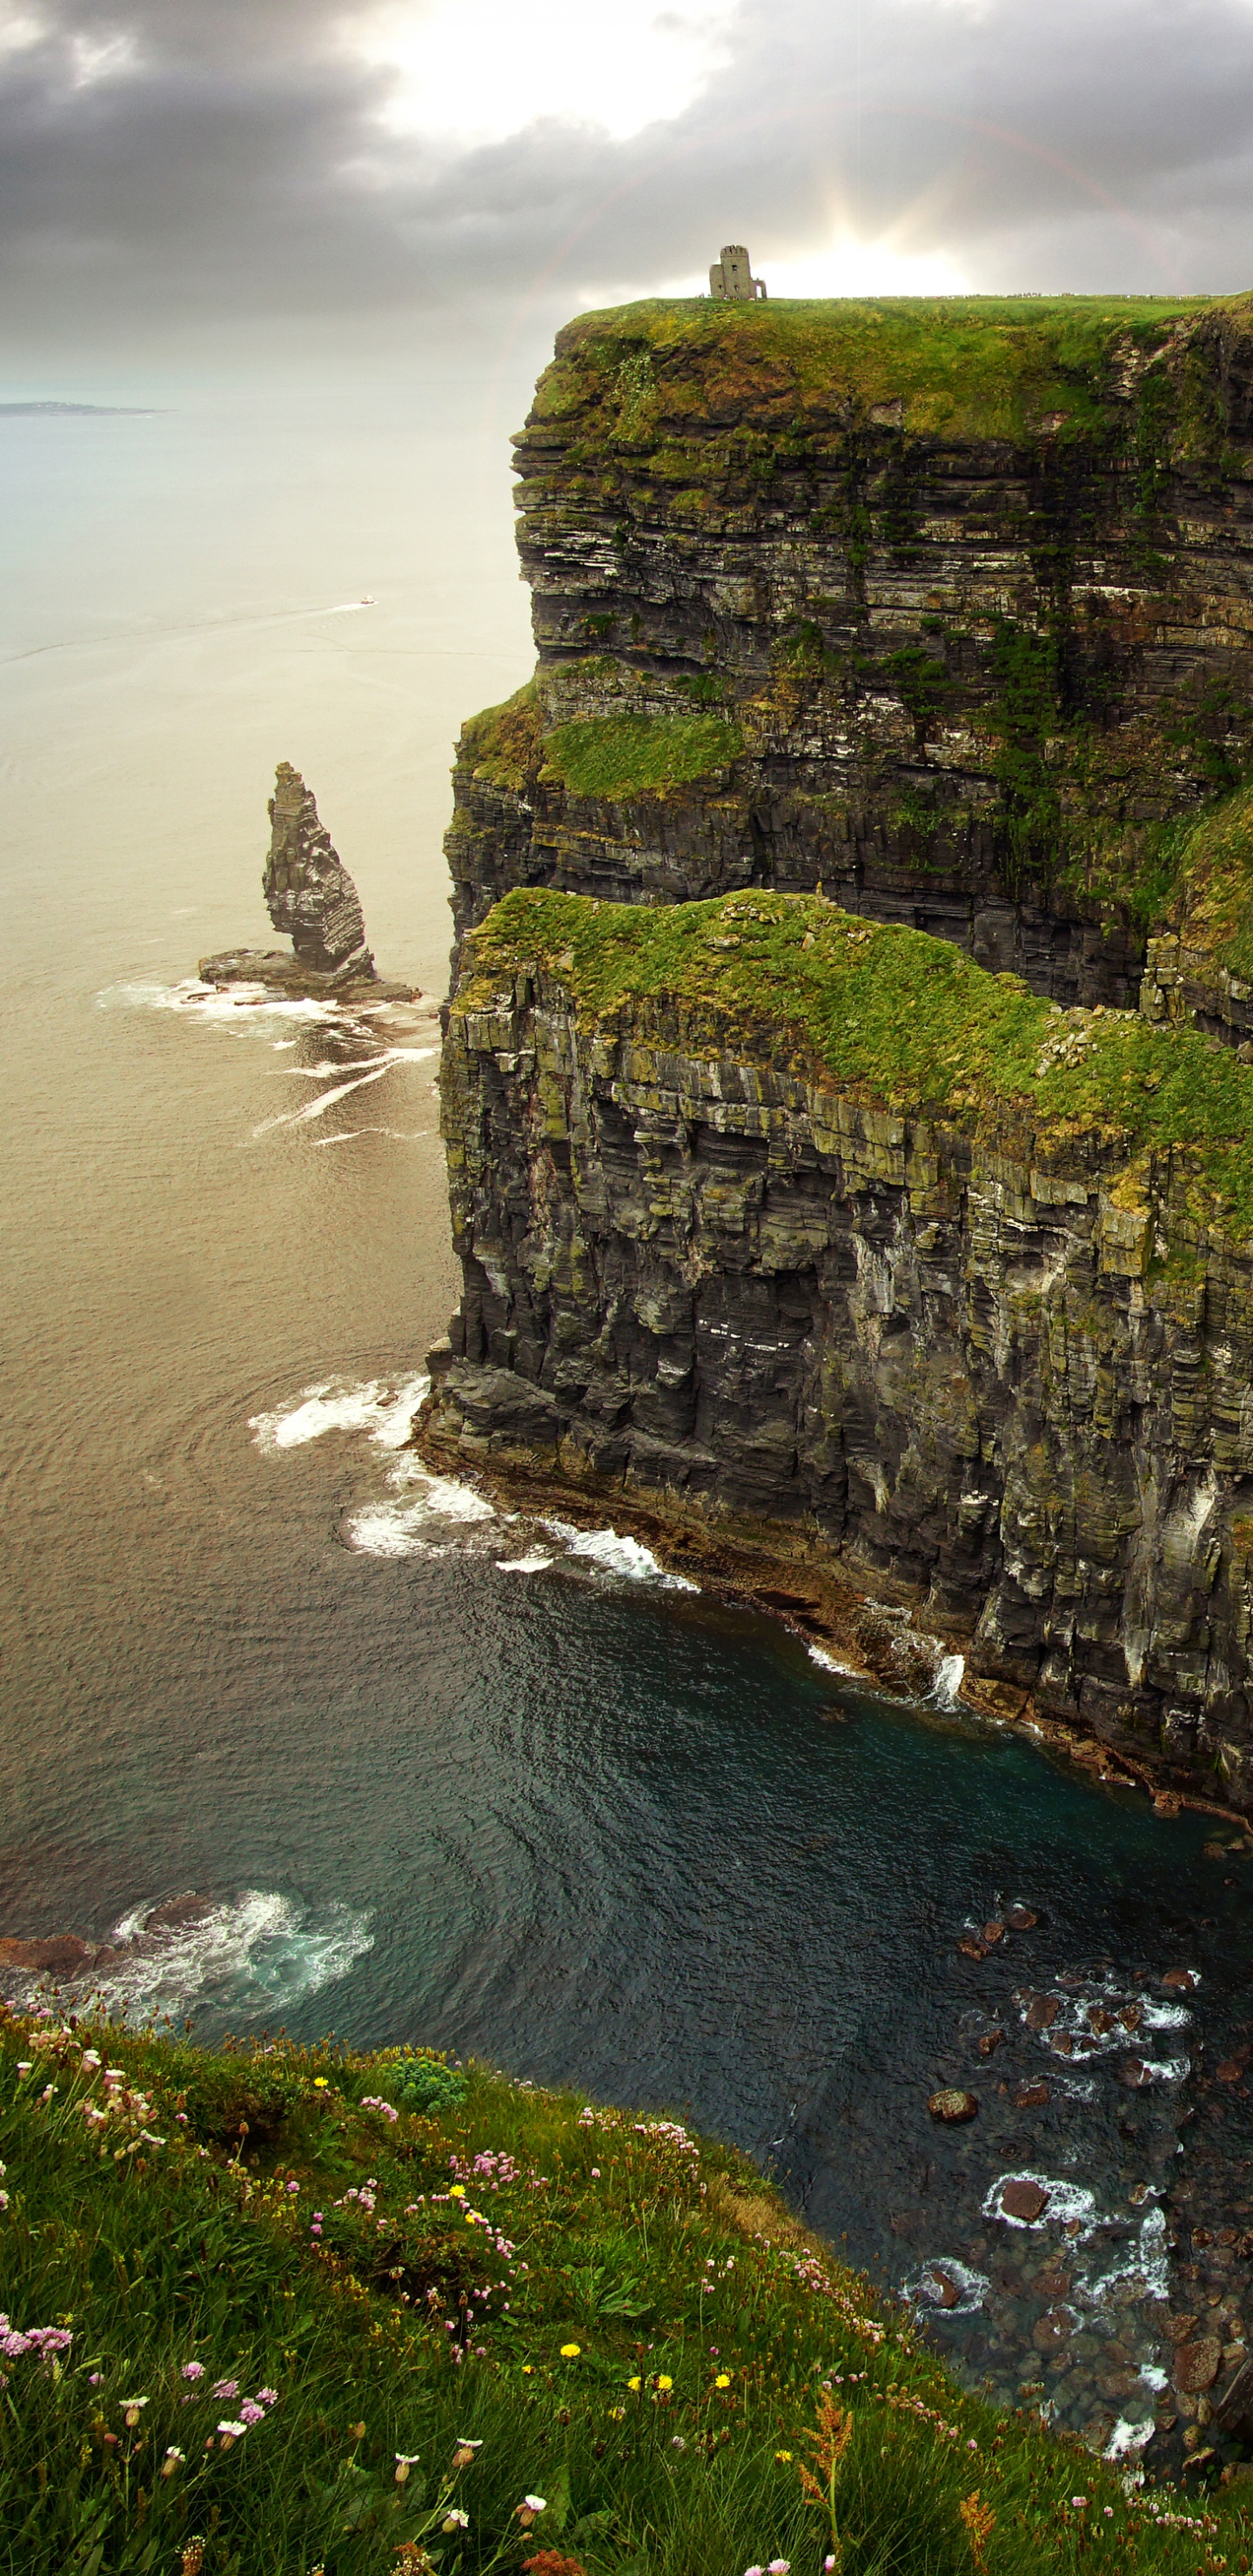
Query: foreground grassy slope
{"type": "Point", "coordinates": [890, 1014]}
{"type": "Point", "coordinates": [259, 2316]}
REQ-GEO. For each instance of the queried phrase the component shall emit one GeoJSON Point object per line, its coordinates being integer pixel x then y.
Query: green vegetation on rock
{"type": "Point", "coordinates": [621, 755]}
{"type": "Point", "coordinates": [959, 366]}
{"type": "Point", "coordinates": [889, 1014]}
{"type": "Point", "coordinates": [260, 2321]}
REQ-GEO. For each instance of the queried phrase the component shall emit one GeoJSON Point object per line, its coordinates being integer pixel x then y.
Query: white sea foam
{"type": "Point", "coordinates": [948, 1681]}
{"type": "Point", "coordinates": [1065, 2202]}
{"type": "Point", "coordinates": [535, 1564]}
{"type": "Point", "coordinates": [255, 1951]}
{"type": "Point", "coordinates": [623, 1556]}
{"type": "Point", "coordinates": [1130, 2434]}
{"type": "Point", "coordinates": [403, 1527]}
{"type": "Point", "coordinates": [362, 1076]}
{"type": "Point", "coordinates": [1148, 2263]}
{"type": "Point", "coordinates": [924, 2288]}
{"type": "Point", "coordinates": [385, 1412]}
{"type": "Point", "coordinates": [829, 1663]}
{"type": "Point", "coordinates": [235, 1004]}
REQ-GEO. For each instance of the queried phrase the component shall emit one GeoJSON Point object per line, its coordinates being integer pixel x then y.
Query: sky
{"type": "Point", "coordinates": [218, 182]}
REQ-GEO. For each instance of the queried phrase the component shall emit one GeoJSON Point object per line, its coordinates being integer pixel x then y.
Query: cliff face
{"type": "Point", "coordinates": [822, 1233]}
{"type": "Point", "coordinates": [948, 608]}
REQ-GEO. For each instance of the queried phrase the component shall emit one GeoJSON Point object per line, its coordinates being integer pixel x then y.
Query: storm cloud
{"type": "Point", "coordinates": [189, 161]}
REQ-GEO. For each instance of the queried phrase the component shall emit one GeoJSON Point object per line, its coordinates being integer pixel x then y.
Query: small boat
{"type": "Point", "coordinates": [367, 602]}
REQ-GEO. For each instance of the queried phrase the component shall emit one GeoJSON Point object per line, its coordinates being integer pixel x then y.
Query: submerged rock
{"type": "Point", "coordinates": [951, 2104]}
{"type": "Point", "coordinates": [310, 894]}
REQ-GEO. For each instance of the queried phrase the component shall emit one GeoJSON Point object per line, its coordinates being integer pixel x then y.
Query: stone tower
{"type": "Point", "coordinates": [731, 280]}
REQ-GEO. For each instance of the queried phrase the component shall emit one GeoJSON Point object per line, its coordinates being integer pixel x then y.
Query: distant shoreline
{"type": "Point", "coordinates": [69, 410]}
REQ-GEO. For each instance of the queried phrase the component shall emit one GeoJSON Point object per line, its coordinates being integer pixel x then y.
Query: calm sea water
{"type": "Point", "coordinates": [448, 1776]}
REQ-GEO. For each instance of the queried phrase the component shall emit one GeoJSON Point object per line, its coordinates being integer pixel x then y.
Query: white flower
{"type": "Point", "coordinates": [455, 2521]}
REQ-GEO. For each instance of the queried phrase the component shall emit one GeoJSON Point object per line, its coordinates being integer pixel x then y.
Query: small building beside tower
{"type": "Point", "coordinates": [731, 280]}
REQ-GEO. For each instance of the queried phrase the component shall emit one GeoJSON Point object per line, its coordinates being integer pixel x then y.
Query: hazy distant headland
{"type": "Point", "coordinates": [77, 411]}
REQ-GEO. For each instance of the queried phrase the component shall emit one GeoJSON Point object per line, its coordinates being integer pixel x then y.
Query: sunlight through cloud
{"type": "Point", "coordinates": [478, 70]}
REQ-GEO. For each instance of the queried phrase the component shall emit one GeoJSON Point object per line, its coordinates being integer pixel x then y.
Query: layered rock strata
{"type": "Point", "coordinates": [308, 893]}
{"type": "Point", "coordinates": [820, 1235]}
{"type": "Point", "coordinates": [945, 607]}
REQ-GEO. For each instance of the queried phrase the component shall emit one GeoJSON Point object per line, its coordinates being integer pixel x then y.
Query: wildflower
{"type": "Point", "coordinates": [131, 2407]}
{"type": "Point", "coordinates": [405, 2460]}
{"type": "Point", "coordinates": [457, 2191]}
{"type": "Point", "coordinates": [173, 2460]}
{"type": "Point", "coordinates": [634, 2383]}
{"type": "Point", "coordinates": [530, 2507]}
{"type": "Point", "coordinates": [979, 2520]}
{"type": "Point", "coordinates": [321, 2083]}
{"type": "Point", "coordinates": [94, 2378]}
{"type": "Point", "coordinates": [779, 2567]}
{"type": "Point", "coordinates": [596, 2173]}
{"type": "Point", "coordinates": [723, 2379]}
{"type": "Point", "coordinates": [226, 2388]}
{"type": "Point", "coordinates": [1079, 2501]}
{"type": "Point", "coordinates": [231, 2432]}
{"type": "Point", "coordinates": [571, 2351]}
{"type": "Point", "coordinates": [251, 2412]}
{"type": "Point", "coordinates": [677, 2442]}
{"type": "Point", "coordinates": [192, 2370]}
{"type": "Point", "coordinates": [528, 2366]}
{"type": "Point", "coordinates": [463, 2456]}
{"type": "Point", "coordinates": [754, 2571]}
{"type": "Point", "coordinates": [664, 2380]}
{"type": "Point", "coordinates": [267, 2397]}
{"type": "Point", "coordinates": [783, 2455]}
{"type": "Point", "coordinates": [193, 2556]}
{"type": "Point", "coordinates": [828, 2563]}
{"type": "Point", "coordinates": [456, 2520]}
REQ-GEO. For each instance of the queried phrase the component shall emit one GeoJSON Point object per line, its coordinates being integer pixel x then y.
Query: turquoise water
{"type": "Point", "coordinates": [438, 1774]}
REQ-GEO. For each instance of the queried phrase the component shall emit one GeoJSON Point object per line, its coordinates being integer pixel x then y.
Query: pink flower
{"type": "Point", "coordinates": [192, 2370]}
{"type": "Point", "coordinates": [225, 2388]}
{"type": "Point", "coordinates": [250, 2412]}
{"type": "Point", "coordinates": [267, 2396]}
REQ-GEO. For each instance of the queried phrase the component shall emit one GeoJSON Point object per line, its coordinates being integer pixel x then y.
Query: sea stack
{"type": "Point", "coordinates": [307, 888]}
{"type": "Point", "coordinates": [308, 893]}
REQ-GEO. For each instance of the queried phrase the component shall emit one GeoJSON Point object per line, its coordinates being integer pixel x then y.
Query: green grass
{"type": "Point", "coordinates": [406, 2287]}
{"type": "Point", "coordinates": [888, 1014]}
{"type": "Point", "coordinates": [960, 366]}
{"type": "Point", "coordinates": [623, 755]}
{"type": "Point", "coordinates": [1213, 887]}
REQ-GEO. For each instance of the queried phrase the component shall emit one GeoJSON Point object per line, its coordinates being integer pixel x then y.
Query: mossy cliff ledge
{"type": "Point", "coordinates": [945, 605]}
{"type": "Point", "coordinates": [814, 1235]}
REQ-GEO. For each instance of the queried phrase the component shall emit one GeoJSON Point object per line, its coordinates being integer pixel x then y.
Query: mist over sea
{"type": "Point", "coordinates": [446, 1775]}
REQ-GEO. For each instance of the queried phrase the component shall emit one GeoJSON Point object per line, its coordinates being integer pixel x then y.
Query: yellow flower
{"type": "Point", "coordinates": [571, 2351]}
{"type": "Point", "coordinates": [783, 2455]}
{"type": "Point", "coordinates": [457, 2191]}
{"type": "Point", "coordinates": [321, 2083]}
{"type": "Point", "coordinates": [723, 2379]}
{"type": "Point", "coordinates": [617, 2414]}
{"type": "Point", "coordinates": [663, 2382]}
{"type": "Point", "coordinates": [634, 2383]}
{"type": "Point", "coordinates": [526, 2369]}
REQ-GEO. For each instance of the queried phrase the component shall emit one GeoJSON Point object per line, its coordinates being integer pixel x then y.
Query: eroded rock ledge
{"type": "Point", "coordinates": [810, 1230]}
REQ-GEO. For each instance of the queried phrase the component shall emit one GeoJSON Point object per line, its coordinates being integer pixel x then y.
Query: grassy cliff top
{"type": "Point", "coordinates": [887, 1014]}
{"type": "Point", "coordinates": [301, 2311]}
{"type": "Point", "coordinates": [971, 366]}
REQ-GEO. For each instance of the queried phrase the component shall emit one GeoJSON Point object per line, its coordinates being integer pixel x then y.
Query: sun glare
{"type": "Point", "coordinates": [852, 267]}
{"type": "Point", "coordinates": [478, 70]}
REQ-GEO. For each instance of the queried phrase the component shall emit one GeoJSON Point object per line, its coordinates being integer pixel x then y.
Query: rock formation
{"type": "Point", "coordinates": [822, 1235]}
{"type": "Point", "coordinates": [307, 888]}
{"type": "Point", "coordinates": [777, 1212]}
{"type": "Point", "coordinates": [946, 606]}
{"type": "Point", "coordinates": [309, 893]}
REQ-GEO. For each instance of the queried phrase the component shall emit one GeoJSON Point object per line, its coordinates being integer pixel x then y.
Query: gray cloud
{"type": "Point", "coordinates": [230, 162]}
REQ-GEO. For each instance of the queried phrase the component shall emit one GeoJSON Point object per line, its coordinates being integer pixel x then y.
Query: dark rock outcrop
{"type": "Point", "coordinates": [992, 1356]}
{"type": "Point", "coordinates": [947, 608]}
{"type": "Point", "coordinates": [310, 894]}
{"type": "Point", "coordinates": [307, 888]}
